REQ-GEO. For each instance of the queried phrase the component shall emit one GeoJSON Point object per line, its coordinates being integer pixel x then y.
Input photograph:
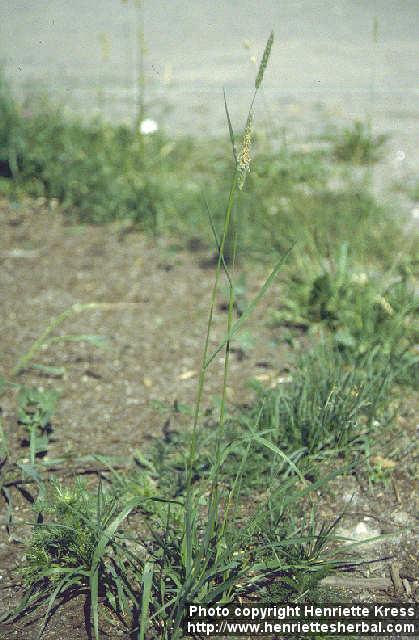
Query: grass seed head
{"type": "Point", "coordinates": [385, 305]}
{"type": "Point", "coordinates": [244, 157]}
{"type": "Point", "coordinates": [264, 61]}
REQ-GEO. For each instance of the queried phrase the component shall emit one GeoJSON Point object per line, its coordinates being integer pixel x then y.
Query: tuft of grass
{"type": "Point", "coordinates": [358, 145]}
{"type": "Point", "coordinates": [232, 559]}
{"type": "Point", "coordinates": [328, 410]}
{"type": "Point", "coordinates": [358, 308]}
{"type": "Point", "coordinates": [330, 404]}
{"type": "Point", "coordinates": [79, 547]}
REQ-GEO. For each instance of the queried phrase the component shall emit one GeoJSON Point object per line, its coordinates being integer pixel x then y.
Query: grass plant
{"type": "Point", "coordinates": [78, 548]}
{"type": "Point", "coordinates": [358, 308]}
{"type": "Point", "coordinates": [358, 145]}
{"type": "Point", "coordinates": [223, 511]}
{"type": "Point", "coordinates": [329, 409]}
{"type": "Point", "coordinates": [197, 547]}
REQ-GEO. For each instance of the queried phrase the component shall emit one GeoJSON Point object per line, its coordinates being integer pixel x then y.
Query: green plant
{"type": "Point", "coordinates": [331, 403]}
{"type": "Point", "coordinates": [360, 310]}
{"type": "Point", "coordinates": [79, 547]}
{"type": "Point", "coordinates": [35, 410]}
{"type": "Point", "coordinates": [248, 552]}
{"type": "Point", "coordinates": [380, 469]}
{"type": "Point", "coordinates": [47, 337]}
{"type": "Point", "coordinates": [210, 557]}
{"type": "Point", "coordinates": [329, 407]}
{"type": "Point", "coordinates": [358, 145]}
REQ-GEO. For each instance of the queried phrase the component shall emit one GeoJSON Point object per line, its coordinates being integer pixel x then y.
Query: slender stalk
{"type": "Point", "coordinates": [202, 373]}
{"type": "Point", "coordinates": [44, 338]}
{"type": "Point", "coordinates": [242, 166]}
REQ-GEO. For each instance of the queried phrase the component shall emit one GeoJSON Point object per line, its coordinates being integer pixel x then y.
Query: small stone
{"type": "Point", "coordinates": [362, 532]}
{"type": "Point", "coordinates": [407, 587]}
{"type": "Point", "coordinates": [351, 498]}
{"type": "Point", "coordinates": [401, 517]}
{"type": "Point", "coordinates": [406, 573]}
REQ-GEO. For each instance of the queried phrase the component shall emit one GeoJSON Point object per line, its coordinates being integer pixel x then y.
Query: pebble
{"type": "Point", "coordinates": [401, 517]}
{"type": "Point", "coordinates": [360, 533]}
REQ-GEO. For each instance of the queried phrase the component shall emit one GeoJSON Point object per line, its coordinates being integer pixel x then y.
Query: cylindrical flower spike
{"type": "Point", "coordinates": [264, 61]}
{"type": "Point", "coordinates": [243, 164]}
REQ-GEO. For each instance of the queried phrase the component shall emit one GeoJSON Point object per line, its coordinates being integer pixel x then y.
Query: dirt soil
{"type": "Point", "coordinates": [109, 399]}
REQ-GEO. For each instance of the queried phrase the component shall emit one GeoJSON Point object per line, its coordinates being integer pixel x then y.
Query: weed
{"type": "Point", "coordinates": [331, 403]}
{"type": "Point", "coordinates": [214, 558]}
{"type": "Point", "coordinates": [360, 309]}
{"type": "Point", "coordinates": [380, 469]}
{"type": "Point", "coordinates": [35, 410]}
{"type": "Point", "coordinates": [358, 145]}
{"type": "Point", "coordinates": [78, 547]}
{"type": "Point", "coordinates": [232, 559]}
{"type": "Point", "coordinates": [329, 408]}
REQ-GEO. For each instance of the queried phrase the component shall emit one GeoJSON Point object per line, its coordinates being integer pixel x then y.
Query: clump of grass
{"type": "Point", "coordinates": [91, 169]}
{"type": "Point", "coordinates": [359, 308]}
{"type": "Point", "coordinates": [327, 409]}
{"type": "Point", "coordinates": [233, 559]}
{"type": "Point", "coordinates": [330, 404]}
{"type": "Point", "coordinates": [79, 547]}
{"type": "Point", "coordinates": [318, 219]}
{"type": "Point", "coordinates": [98, 172]}
{"type": "Point", "coordinates": [358, 145]}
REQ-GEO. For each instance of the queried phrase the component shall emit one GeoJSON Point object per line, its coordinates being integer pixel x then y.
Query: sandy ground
{"type": "Point", "coordinates": [154, 329]}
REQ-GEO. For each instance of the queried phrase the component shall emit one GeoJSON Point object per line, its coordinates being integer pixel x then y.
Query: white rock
{"type": "Point", "coordinates": [362, 532]}
{"type": "Point", "coordinates": [148, 126]}
{"type": "Point", "coordinates": [400, 156]}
